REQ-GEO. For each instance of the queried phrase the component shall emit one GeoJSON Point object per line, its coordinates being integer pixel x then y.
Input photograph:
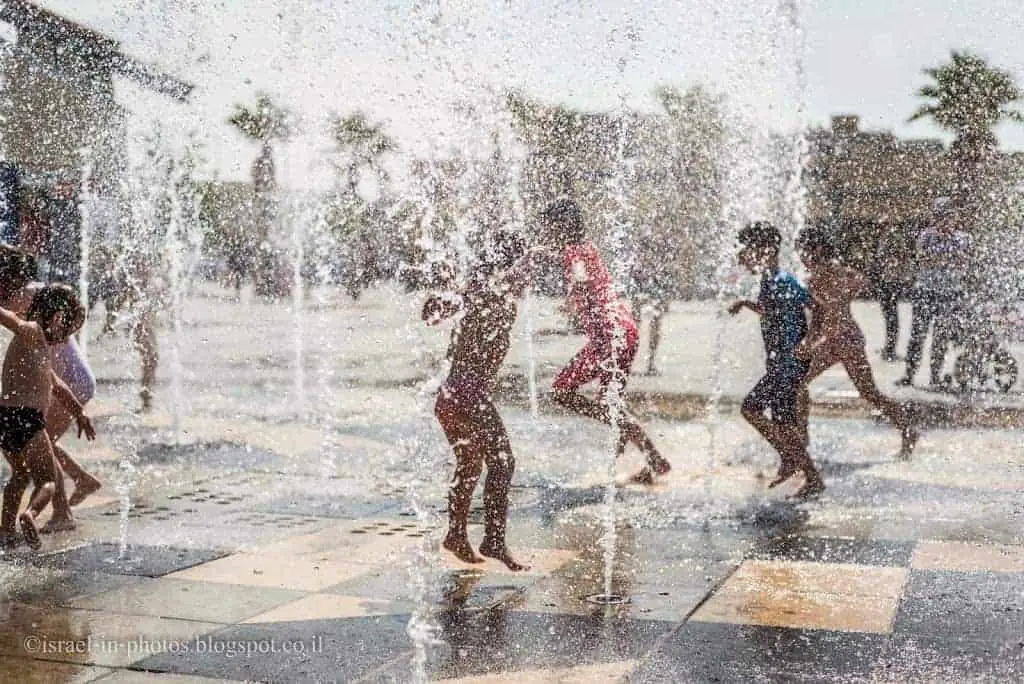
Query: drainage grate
{"type": "Point", "coordinates": [271, 520]}
{"type": "Point", "coordinates": [386, 528]}
{"type": "Point", "coordinates": [607, 599]}
{"type": "Point", "coordinates": [141, 510]}
{"type": "Point", "coordinates": [202, 495]}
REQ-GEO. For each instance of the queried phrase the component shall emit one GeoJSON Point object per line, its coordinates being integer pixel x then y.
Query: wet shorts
{"type": "Point", "coordinates": [599, 360]}
{"type": "Point", "coordinates": [19, 424]}
{"type": "Point", "coordinates": [778, 391]}
{"type": "Point", "coordinates": [465, 410]}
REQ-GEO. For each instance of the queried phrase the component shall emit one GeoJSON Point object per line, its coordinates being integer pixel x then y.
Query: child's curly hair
{"type": "Point", "coordinates": [56, 298]}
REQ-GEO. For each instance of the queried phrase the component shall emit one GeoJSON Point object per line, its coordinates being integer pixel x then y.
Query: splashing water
{"type": "Point", "coordinates": [85, 208]}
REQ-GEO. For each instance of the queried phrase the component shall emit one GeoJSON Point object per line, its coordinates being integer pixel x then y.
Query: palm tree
{"type": "Point", "coordinates": [361, 144]}
{"type": "Point", "coordinates": [358, 225]}
{"type": "Point", "coordinates": [969, 98]}
{"type": "Point", "coordinates": [263, 123]}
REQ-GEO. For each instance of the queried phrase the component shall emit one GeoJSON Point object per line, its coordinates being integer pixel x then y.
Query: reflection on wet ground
{"type": "Point", "coordinates": [244, 561]}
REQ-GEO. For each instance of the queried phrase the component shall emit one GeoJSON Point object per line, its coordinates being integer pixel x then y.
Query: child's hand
{"type": "Point", "coordinates": [85, 426]}
{"type": "Point", "coordinates": [803, 350]}
{"type": "Point", "coordinates": [737, 307]}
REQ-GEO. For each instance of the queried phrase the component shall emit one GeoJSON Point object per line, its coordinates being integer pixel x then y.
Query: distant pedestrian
{"type": "Point", "coordinates": [942, 252]}
{"type": "Point", "coordinates": [653, 285]}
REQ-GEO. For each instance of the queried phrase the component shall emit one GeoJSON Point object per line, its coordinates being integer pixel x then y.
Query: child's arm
{"type": "Point", "coordinates": [519, 274]}
{"type": "Point", "coordinates": [439, 307]}
{"type": "Point", "coordinates": [749, 304]}
{"type": "Point", "coordinates": [64, 395]}
{"type": "Point", "coordinates": [14, 323]}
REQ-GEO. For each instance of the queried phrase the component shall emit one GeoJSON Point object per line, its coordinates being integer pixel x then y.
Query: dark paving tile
{"type": "Point", "coordinates": [331, 650]}
{"type": "Point", "coordinates": [715, 652]}
{"type": "Point", "coordinates": [833, 550]}
{"type": "Point", "coordinates": [935, 659]}
{"type": "Point", "coordinates": [962, 615]}
{"type": "Point", "coordinates": [996, 587]}
{"type": "Point", "coordinates": [207, 454]}
{"type": "Point", "coordinates": [144, 561]}
{"type": "Point", "coordinates": [61, 587]}
{"type": "Point", "coordinates": [500, 641]}
{"type": "Point", "coordinates": [456, 590]}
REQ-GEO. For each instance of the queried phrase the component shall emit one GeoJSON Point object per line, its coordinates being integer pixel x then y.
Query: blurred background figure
{"type": "Point", "coordinates": [942, 253]}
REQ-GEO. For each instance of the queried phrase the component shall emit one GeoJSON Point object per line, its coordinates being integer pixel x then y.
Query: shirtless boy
{"type": "Point", "coordinates": [835, 337]}
{"type": "Point", "coordinates": [17, 269]}
{"type": "Point", "coordinates": [780, 304]}
{"type": "Point", "coordinates": [488, 306]}
{"type": "Point", "coordinates": [612, 337]}
{"type": "Point", "coordinates": [28, 382]}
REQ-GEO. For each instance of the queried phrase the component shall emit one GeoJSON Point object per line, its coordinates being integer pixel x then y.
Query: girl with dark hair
{"type": "Point", "coordinates": [834, 335]}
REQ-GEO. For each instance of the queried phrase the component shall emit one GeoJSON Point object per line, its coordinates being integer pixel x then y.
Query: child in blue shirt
{"type": "Point", "coordinates": [781, 391]}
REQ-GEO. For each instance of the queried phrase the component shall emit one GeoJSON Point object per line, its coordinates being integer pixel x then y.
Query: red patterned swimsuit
{"type": "Point", "coordinates": [611, 330]}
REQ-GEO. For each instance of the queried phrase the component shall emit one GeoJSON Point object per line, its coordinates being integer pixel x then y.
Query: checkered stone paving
{"type": "Point", "coordinates": [284, 575]}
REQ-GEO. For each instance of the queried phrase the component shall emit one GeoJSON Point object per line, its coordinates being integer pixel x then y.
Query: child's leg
{"type": "Point", "coordinates": [859, 370]}
{"type": "Point", "coordinates": [459, 428]}
{"type": "Point", "coordinates": [500, 467]}
{"type": "Point", "coordinates": [757, 401]}
{"type": "Point", "coordinates": [40, 462]}
{"type": "Point", "coordinates": [655, 337]}
{"type": "Point", "coordinates": [145, 343]}
{"type": "Point", "coordinates": [58, 420]}
{"type": "Point", "coordinates": [13, 491]}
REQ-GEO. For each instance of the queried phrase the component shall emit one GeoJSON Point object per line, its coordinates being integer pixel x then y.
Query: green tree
{"type": "Point", "coordinates": [360, 145]}
{"type": "Point", "coordinates": [969, 98]}
{"type": "Point", "coordinates": [361, 227]}
{"type": "Point", "coordinates": [263, 123]}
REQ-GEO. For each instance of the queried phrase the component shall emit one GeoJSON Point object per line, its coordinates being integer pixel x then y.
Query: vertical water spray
{"type": "Point", "coordinates": [86, 204]}
{"type": "Point", "coordinates": [176, 280]}
{"type": "Point", "coordinates": [796, 193]}
{"type": "Point", "coordinates": [622, 257]}
{"type": "Point", "coordinates": [297, 216]}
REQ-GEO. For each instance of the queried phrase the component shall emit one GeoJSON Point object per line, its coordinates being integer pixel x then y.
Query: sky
{"type": "Point", "coordinates": [781, 63]}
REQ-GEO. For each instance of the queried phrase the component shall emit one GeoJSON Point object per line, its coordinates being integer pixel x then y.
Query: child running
{"type": "Point", "coordinates": [780, 304]}
{"type": "Point", "coordinates": [17, 268]}
{"type": "Point", "coordinates": [488, 307]}
{"type": "Point", "coordinates": [28, 381]}
{"type": "Point", "coordinates": [835, 337]}
{"type": "Point", "coordinates": [612, 337]}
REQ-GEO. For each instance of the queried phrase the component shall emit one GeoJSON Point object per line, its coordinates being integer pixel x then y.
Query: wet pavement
{"type": "Point", "coordinates": [276, 526]}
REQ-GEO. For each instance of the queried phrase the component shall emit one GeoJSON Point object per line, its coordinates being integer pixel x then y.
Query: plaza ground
{"type": "Point", "coordinates": [276, 518]}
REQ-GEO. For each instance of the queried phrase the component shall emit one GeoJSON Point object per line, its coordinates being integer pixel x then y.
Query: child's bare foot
{"type": "Point", "coordinates": [53, 525]}
{"type": "Point", "coordinates": [461, 548]}
{"type": "Point", "coordinates": [660, 466]}
{"type": "Point", "coordinates": [785, 472]}
{"type": "Point", "coordinates": [813, 487]}
{"type": "Point", "coordinates": [29, 531]}
{"type": "Point", "coordinates": [498, 550]}
{"type": "Point", "coordinates": [88, 485]}
{"type": "Point", "coordinates": [645, 476]}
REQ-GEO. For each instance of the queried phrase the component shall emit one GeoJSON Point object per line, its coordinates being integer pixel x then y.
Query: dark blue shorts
{"type": "Point", "coordinates": [778, 391]}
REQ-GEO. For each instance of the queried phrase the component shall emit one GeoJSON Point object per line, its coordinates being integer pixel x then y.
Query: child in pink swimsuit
{"type": "Point", "coordinates": [612, 337]}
